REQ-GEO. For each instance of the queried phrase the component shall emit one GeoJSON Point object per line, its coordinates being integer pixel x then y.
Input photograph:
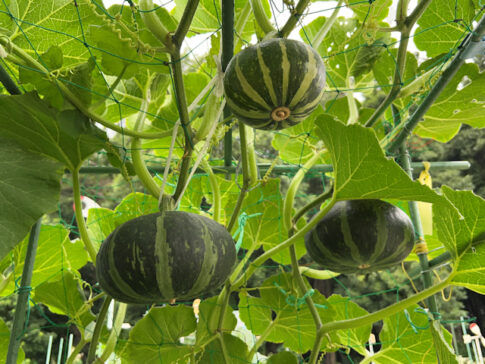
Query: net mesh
{"type": "Point", "coordinates": [112, 196]}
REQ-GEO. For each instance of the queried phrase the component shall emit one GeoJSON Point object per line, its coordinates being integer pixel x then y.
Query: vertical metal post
{"type": "Point", "coordinates": [227, 53]}
{"type": "Point", "coordinates": [23, 296]}
{"type": "Point", "coordinates": [463, 328]}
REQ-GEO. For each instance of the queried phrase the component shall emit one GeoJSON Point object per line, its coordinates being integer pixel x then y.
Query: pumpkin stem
{"type": "Point", "coordinates": [166, 203]}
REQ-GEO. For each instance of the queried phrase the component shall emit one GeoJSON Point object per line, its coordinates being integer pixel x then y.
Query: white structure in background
{"type": "Point", "coordinates": [87, 203]}
{"type": "Point", "coordinates": [476, 339]}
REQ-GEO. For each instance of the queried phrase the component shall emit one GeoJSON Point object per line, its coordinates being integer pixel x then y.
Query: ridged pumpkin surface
{"type": "Point", "coordinates": [274, 84]}
{"type": "Point", "coordinates": [159, 257]}
{"type": "Point", "coordinates": [361, 236]}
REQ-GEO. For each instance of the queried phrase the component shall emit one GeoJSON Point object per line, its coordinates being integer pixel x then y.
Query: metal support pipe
{"type": "Point", "coordinates": [280, 169]}
{"type": "Point", "coordinates": [23, 296]}
{"type": "Point", "coordinates": [227, 53]}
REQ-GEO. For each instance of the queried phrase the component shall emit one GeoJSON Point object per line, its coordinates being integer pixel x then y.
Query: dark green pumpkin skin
{"type": "Point", "coordinates": [361, 236]}
{"type": "Point", "coordinates": [271, 74]}
{"type": "Point", "coordinates": [160, 257]}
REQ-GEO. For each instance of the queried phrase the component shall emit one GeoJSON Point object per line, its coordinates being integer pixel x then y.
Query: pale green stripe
{"type": "Point", "coordinates": [209, 263]}
{"type": "Point", "coordinates": [382, 237]}
{"type": "Point", "coordinates": [121, 284]}
{"type": "Point", "coordinates": [266, 77]}
{"type": "Point", "coordinates": [311, 104]}
{"type": "Point", "coordinates": [248, 89]}
{"type": "Point", "coordinates": [320, 245]}
{"type": "Point", "coordinates": [285, 68]}
{"type": "Point", "coordinates": [399, 250]}
{"type": "Point", "coordinates": [253, 114]}
{"type": "Point", "coordinates": [265, 124]}
{"type": "Point", "coordinates": [348, 241]}
{"type": "Point", "coordinates": [286, 123]}
{"type": "Point", "coordinates": [162, 252]}
{"type": "Point", "coordinates": [307, 80]}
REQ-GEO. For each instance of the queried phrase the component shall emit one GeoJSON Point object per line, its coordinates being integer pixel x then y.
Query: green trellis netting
{"type": "Point", "coordinates": [98, 113]}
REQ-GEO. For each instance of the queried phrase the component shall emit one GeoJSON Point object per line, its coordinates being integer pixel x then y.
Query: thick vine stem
{"type": "Point", "coordinates": [239, 281]}
{"type": "Point", "coordinates": [323, 31]}
{"type": "Point", "coordinates": [261, 17]}
{"type": "Point", "coordinates": [253, 171]}
{"type": "Point", "coordinates": [395, 308]}
{"type": "Point", "coordinates": [181, 99]}
{"type": "Point", "coordinates": [77, 349]}
{"type": "Point", "coordinates": [138, 163]}
{"type": "Point", "coordinates": [114, 334]}
{"type": "Point", "coordinates": [216, 191]}
{"type": "Point", "coordinates": [246, 177]}
{"type": "Point", "coordinates": [8, 83]}
{"type": "Point", "coordinates": [83, 231]}
{"type": "Point", "coordinates": [153, 23]}
{"type": "Point", "coordinates": [295, 183]}
{"type": "Point", "coordinates": [438, 87]}
{"type": "Point", "coordinates": [405, 24]}
{"type": "Point", "coordinates": [184, 119]}
{"type": "Point", "coordinates": [397, 80]}
{"type": "Point", "coordinates": [294, 18]}
{"type": "Point", "coordinates": [184, 24]}
{"type": "Point", "coordinates": [313, 203]}
{"type": "Point", "coordinates": [97, 329]}
{"type": "Point", "coordinates": [301, 289]}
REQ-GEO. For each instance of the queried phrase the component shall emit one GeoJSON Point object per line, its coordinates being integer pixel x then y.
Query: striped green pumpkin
{"type": "Point", "coordinates": [164, 256]}
{"type": "Point", "coordinates": [361, 236]}
{"type": "Point", "coordinates": [274, 84]}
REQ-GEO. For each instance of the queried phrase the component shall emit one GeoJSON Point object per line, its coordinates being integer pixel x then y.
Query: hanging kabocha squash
{"type": "Point", "coordinates": [274, 84]}
{"type": "Point", "coordinates": [164, 256]}
{"type": "Point", "coordinates": [361, 236]}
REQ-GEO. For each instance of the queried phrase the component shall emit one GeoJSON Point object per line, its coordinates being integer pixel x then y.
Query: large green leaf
{"type": "Point", "coordinates": [235, 348]}
{"type": "Point", "coordinates": [459, 233]}
{"type": "Point", "coordinates": [67, 136]}
{"type": "Point", "coordinates": [208, 18]}
{"type": "Point", "coordinates": [121, 55]}
{"type": "Point", "coordinates": [290, 319]}
{"type": "Point", "coordinates": [209, 311]}
{"type": "Point", "coordinates": [438, 32]}
{"type": "Point", "coordinates": [386, 64]}
{"type": "Point", "coordinates": [361, 169]}
{"type": "Point", "coordinates": [344, 309]}
{"type": "Point", "coordinates": [101, 221]}
{"type": "Point", "coordinates": [4, 340]}
{"type": "Point", "coordinates": [29, 188]}
{"type": "Point", "coordinates": [406, 338]}
{"type": "Point", "coordinates": [36, 27]}
{"type": "Point", "coordinates": [340, 49]}
{"type": "Point", "coordinates": [371, 12]}
{"type": "Point", "coordinates": [264, 226]}
{"type": "Point", "coordinates": [55, 252]}
{"type": "Point", "coordinates": [283, 357]}
{"type": "Point", "coordinates": [155, 338]}
{"type": "Point", "coordinates": [65, 297]}
{"type": "Point", "coordinates": [456, 105]}
{"type": "Point", "coordinates": [463, 234]}
{"type": "Point", "coordinates": [297, 144]}
{"type": "Point", "coordinates": [443, 348]}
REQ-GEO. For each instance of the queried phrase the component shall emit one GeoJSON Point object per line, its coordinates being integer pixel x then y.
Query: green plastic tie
{"type": "Point", "coordinates": [295, 301]}
{"type": "Point", "coordinates": [413, 325]}
{"type": "Point", "coordinates": [19, 290]}
{"type": "Point", "coordinates": [243, 218]}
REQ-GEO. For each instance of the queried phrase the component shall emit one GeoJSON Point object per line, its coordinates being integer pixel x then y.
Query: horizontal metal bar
{"type": "Point", "coordinates": [280, 169]}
